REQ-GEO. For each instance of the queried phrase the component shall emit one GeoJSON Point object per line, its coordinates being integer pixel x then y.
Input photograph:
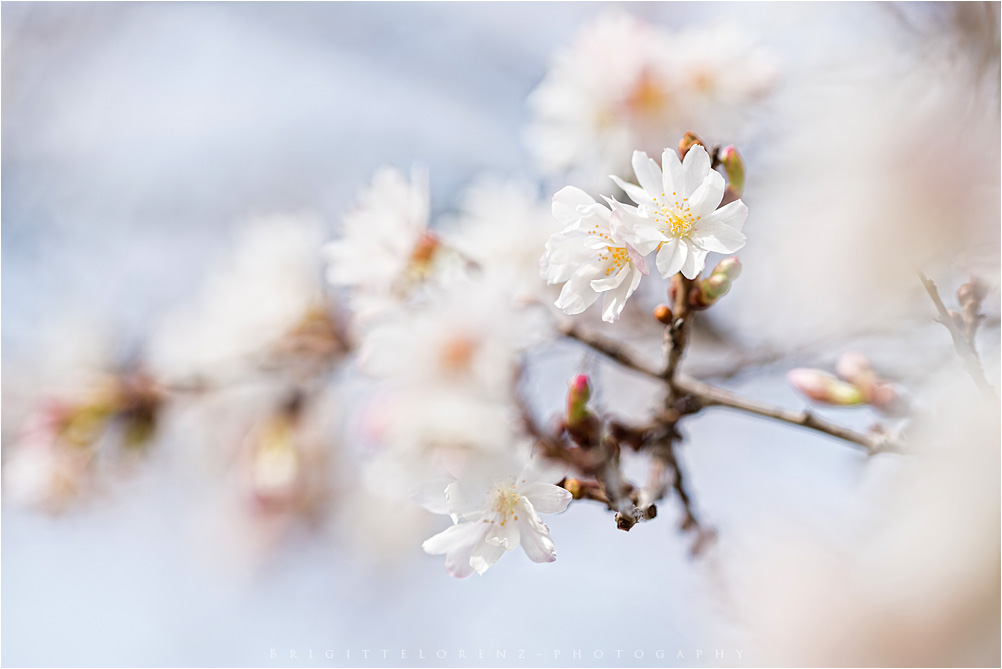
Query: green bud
{"type": "Point", "coordinates": [734, 166]}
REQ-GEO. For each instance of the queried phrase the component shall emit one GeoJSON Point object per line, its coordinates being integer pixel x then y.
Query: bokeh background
{"type": "Point", "coordinates": [139, 139]}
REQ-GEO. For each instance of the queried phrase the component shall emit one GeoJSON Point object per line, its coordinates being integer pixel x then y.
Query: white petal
{"type": "Point", "coordinates": [452, 539]}
{"type": "Point", "coordinates": [629, 227]}
{"type": "Point", "coordinates": [695, 166]}
{"type": "Point", "coordinates": [635, 193]}
{"type": "Point", "coordinates": [709, 194]}
{"type": "Point", "coordinates": [671, 257]}
{"type": "Point", "coordinates": [577, 295]}
{"type": "Point", "coordinates": [674, 177]}
{"type": "Point", "coordinates": [536, 540]}
{"type": "Point", "coordinates": [543, 470]}
{"type": "Point", "coordinates": [695, 260]}
{"type": "Point", "coordinates": [566, 202]}
{"type": "Point", "coordinates": [648, 173]}
{"type": "Point", "coordinates": [546, 498]}
{"type": "Point", "coordinates": [504, 533]}
{"type": "Point", "coordinates": [484, 555]}
{"type": "Point", "coordinates": [615, 299]}
{"type": "Point", "coordinates": [431, 495]}
{"type": "Point", "coordinates": [733, 215]}
{"type": "Point", "coordinates": [717, 237]}
{"type": "Point", "coordinates": [608, 283]}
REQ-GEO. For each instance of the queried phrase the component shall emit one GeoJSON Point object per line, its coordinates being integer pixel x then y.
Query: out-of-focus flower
{"type": "Point", "coordinates": [385, 246]}
{"type": "Point", "coordinates": [502, 226]}
{"type": "Point", "coordinates": [914, 580]}
{"type": "Point", "coordinates": [495, 506]}
{"type": "Point", "coordinates": [597, 252]}
{"type": "Point", "coordinates": [52, 461]}
{"type": "Point", "coordinates": [625, 84]}
{"type": "Point", "coordinates": [270, 289]}
{"type": "Point", "coordinates": [681, 202]}
{"type": "Point", "coordinates": [466, 334]}
{"type": "Point", "coordinates": [45, 470]}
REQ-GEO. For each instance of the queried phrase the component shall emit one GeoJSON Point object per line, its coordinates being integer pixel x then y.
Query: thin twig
{"type": "Point", "coordinates": [962, 343]}
{"type": "Point", "coordinates": [709, 395]}
{"type": "Point", "coordinates": [712, 396]}
{"type": "Point", "coordinates": [610, 349]}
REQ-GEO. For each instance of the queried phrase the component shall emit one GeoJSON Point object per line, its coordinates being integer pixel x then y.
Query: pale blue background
{"type": "Point", "coordinates": [136, 135]}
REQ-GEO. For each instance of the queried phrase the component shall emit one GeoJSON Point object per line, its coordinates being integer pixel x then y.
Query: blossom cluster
{"type": "Point", "coordinates": [603, 247]}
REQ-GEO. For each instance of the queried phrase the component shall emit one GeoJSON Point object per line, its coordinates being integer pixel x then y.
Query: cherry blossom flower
{"type": "Point", "coordinates": [385, 245]}
{"type": "Point", "coordinates": [681, 202]}
{"type": "Point", "coordinates": [598, 252]}
{"type": "Point", "coordinates": [495, 506]}
{"type": "Point", "coordinates": [491, 204]}
{"type": "Point", "coordinates": [267, 288]}
{"type": "Point", "coordinates": [624, 84]}
{"type": "Point", "coordinates": [466, 334]}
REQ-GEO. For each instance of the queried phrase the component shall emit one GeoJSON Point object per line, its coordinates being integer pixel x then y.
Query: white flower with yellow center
{"type": "Point", "coordinates": [681, 202]}
{"type": "Point", "coordinates": [494, 511]}
{"type": "Point", "coordinates": [598, 251]}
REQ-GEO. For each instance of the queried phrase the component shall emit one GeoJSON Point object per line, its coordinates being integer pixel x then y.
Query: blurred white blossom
{"type": "Point", "coordinates": [502, 225]}
{"type": "Point", "coordinates": [385, 246]}
{"type": "Point", "coordinates": [624, 84]}
{"type": "Point", "coordinates": [270, 285]}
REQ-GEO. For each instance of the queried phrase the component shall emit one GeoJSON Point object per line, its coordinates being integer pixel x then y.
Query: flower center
{"type": "Point", "coordinates": [456, 354]}
{"type": "Point", "coordinates": [674, 217]}
{"type": "Point", "coordinates": [505, 502]}
{"type": "Point", "coordinates": [617, 256]}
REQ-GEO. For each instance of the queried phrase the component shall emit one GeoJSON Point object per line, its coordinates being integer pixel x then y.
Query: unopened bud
{"type": "Point", "coordinates": [729, 267]}
{"type": "Point", "coordinates": [824, 387]}
{"type": "Point", "coordinates": [889, 399]}
{"type": "Point", "coordinates": [573, 486]}
{"type": "Point", "coordinates": [972, 291]}
{"type": "Point", "coordinates": [663, 314]}
{"type": "Point", "coordinates": [577, 401]}
{"type": "Point", "coordinates": [709, 290]}
{"type": "Point", "coordinates": [734, 166]}
{"type": "Point", "coordinates": [689, 140]}
{"type": "Point", "coordinates": [857, 370]}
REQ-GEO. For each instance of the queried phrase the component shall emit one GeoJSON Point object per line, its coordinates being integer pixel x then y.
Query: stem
{"type": "Point", "coordinates": [963, 344]}
{"type": "Point", "coordinates": [610, 349]}
{"type": "Point", "coordinates": [712, 396]}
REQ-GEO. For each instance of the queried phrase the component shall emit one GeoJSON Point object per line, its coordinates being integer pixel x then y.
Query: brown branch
{"type": "Point", "coordinates": [709, 396]}
{"type": "Point", "coordinates": [963, 342]}
{"type": "Point", "coordinates": [610, 349]}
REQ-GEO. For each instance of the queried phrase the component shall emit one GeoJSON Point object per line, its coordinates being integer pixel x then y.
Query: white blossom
{"type": "Point", "coordinates": [385, 244]}
{"type": "Point", "coordinates": [465, 334]}
{"type": "Point", "coordinates": [495, 505]}
{"type": "Point", "coordinates": [624, 84]}
{"type": "Point", "coordinates": [681, 202]}
{"type": "Point", "coordinates": [266, 288]}
{"type": "Point", "coordinates": [598, 251]}
{"type": "Point", "coordinates": [502, 224]}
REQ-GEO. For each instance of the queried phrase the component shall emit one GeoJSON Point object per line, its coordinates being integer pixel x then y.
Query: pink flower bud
{"type": "Point", "coordinates": [855, 368]}
{"type": "Point", "coordinates": [824, 387]}
{"type": "Point", "coordinates": [689, 140]}
{"type": "Point", "coordinates": [577, 400]}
